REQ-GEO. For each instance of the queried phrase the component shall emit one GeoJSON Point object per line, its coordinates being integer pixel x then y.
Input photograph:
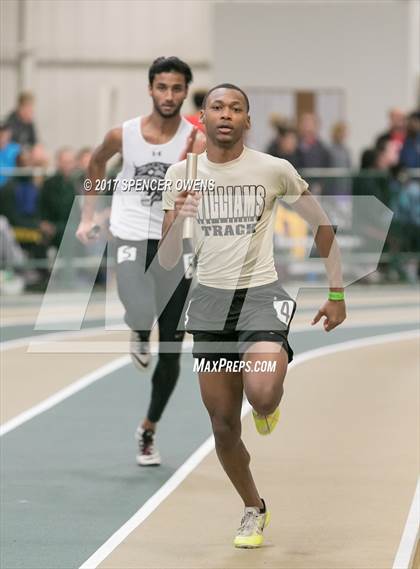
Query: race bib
{"type": "Point", "coordinates": [126, 253]}
{"type": "Point", "coordinates": [284, 310]}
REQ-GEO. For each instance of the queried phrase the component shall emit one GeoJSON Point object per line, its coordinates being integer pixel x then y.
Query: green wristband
{"type": "Point", "coordinates": [336, 295]}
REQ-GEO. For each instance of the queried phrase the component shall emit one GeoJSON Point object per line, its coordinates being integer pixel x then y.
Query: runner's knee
{"type": "Point", "coordinates": [266, 399]}
{"type": "Point", "coordinates": [226, 432]}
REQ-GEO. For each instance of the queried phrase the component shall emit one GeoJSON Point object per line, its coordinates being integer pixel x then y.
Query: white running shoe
{"type": "Point", "coordinates": [147, 454]}
{"type": "Point", "coordinates": [139, 351]}
{"type": "Point", "coordinates": [250, 532]}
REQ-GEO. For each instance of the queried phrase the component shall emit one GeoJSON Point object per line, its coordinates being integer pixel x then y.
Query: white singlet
{"type": "Point", "coordinates": [137, 214]}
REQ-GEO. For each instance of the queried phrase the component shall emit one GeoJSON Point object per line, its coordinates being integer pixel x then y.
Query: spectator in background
{"type": "Point", "coordinates": [198, 98]}
{"type": "Point", "coordinates": [312, 152]}
{"type": "Point", "coordinates": [19, 203]}
{"type": "Point", "coordinates": [21, 121]}
{"type": "Point", "coordinates": [276, 121]}
{"type": "Point", "coordinates": [367, 159]}
{"type": "Point", "coordinates": [286, 144]}
{"type": "Point", "coordinates": [410, 152]}
{"type": "Point", "coordinates": [405, 203]}
{"type": "Point", "coordinates": [9, 152]}
{"type": "Point", "coordinates": [397, 128]}
{"type": "Point", "coordinates": [82, 162]}
{"type": "Point", "coordinates": [377, 183]}
{"type": "Point", "coordinates": [11, 255]}
{"type": "Point", "coordinates": [22, 126]}
{"type": "Point", "coordinates": [339, 153]}
{"type": "Point", "coordinates": [340, 158]}
{"type": "Point", "coordinates": [57, 196]}
{"type": "Point", "coordinates": [11, 258]}
{"type": "Point", "coordinates": [19, 199]}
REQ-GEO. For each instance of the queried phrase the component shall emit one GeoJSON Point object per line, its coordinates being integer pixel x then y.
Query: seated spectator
{"type": "Point", "coordinates": [12, 260]}
{"type": "Point", "coordinates": [312, 152]}
{"type": "Point", "coordinates": [19, 203]}
{"type": "Point", "coordinates": [9, 151]}
{"type": "Point", "coordinates": [397, 128]}
{"type": "Point", "coordinates": [11, 255]}
{"type": "Point", "coordinates": [405, 228]}
{"type": "Point", "coordinates": [57, 197]}
{"type": "Point", "coordinates": [410, 152]}
{"type": "Point", "coordinates": [19, 199]}
{"type": "Point", "coordinates": [198, 98]}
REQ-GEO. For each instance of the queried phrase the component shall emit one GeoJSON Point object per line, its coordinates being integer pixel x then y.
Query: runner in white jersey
{"type": "Point", "coordinates": [138, 215]}
{"type": "Point", "coordinates": [148, 146]}
{"type": "Point", "coordinates": [239, 314]}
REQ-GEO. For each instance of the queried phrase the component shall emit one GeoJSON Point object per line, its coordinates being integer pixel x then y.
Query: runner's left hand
{"type": "Point", "coordinates": [334, 312]}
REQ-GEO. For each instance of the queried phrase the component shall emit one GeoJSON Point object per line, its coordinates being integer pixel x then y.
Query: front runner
{"type": "Point", "coordinates": [148, 145]}
{"type": "Point", "coordinates": [239, 314]}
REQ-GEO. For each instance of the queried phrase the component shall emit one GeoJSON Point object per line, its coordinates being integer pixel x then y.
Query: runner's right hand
{"type": "Point", "coordinates": [186, 204]}
{"type": "Point", "coordinates": [84, 232]}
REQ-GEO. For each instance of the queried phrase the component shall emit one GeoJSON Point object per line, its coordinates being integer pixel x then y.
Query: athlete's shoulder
{"type": "Point", "coordinates": [177, 170]}
{"type": "Point", "coordinates": [112, 141]}
{"type": "Point", "coordinates": [131, 123]}
{"type": "Point", "coordinates": [268, 159]}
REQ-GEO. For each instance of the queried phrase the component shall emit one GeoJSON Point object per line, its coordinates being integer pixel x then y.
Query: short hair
{"type": "Point", "coordinates": [415, 115]}
{"type": "Point", "coordinates": [62, 150]}
{"type": "Point", "coordinates": [168, 64]}
{"type": "Point", "coordinates": [25, 97]}
{"type": "Point", "coordinates": [83, 150]}
{"type": "Point", "coordinates": [227, 86]}
{"type": "Point", "coordinates": [198, 98]}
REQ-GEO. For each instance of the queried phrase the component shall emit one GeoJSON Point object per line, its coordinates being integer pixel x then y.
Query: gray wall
{"type": "Point", "coordinates": [87, 60]}
{"type": "Point", "coordinates": [368, 49]}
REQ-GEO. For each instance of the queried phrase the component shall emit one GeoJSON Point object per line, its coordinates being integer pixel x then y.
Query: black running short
{"type": "Point", "coordinates": [225, 323]}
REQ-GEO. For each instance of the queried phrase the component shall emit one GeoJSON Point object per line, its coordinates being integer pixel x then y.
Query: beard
{"type": "Point", "coordinates": [168, 114]}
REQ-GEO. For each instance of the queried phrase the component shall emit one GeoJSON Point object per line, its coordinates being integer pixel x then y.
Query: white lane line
{"type": "Point", "coordinates": [208, 446]}
{"type": "Point", "coordinates": [74, 387]}
{"type": "Point", "coordinates": [36, 342]}
{"type": "Point", "coordinates": [63, 394]}
{"type": "Point", "coordinates": [49, 336]}
{"type": "Point", "coordinates": [187, 345]}
{"type": "Point", "coordinates": [154, 501]}
{"type": "Point", "coordinates": [410, 536]}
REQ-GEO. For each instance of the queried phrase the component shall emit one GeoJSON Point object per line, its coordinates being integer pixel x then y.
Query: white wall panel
{"type": "Point", "coordinates": [8, 28]}
{"type": "Point", "coordinates": [115, 30]}
{"type": "Point", "coordinates": [86, 49]}
{"type": "Point", "coordinates": [8, 86]}
{"type": "Point", "coordinates": [73, 112]}
{"type": "Point", "coordinates": [360, 47]}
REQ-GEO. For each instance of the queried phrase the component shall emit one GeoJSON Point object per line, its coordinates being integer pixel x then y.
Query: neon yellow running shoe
{"type": "Point", "coordinates": [250, 532]}
{"type": "Point", "coordinates": [266, 424]}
